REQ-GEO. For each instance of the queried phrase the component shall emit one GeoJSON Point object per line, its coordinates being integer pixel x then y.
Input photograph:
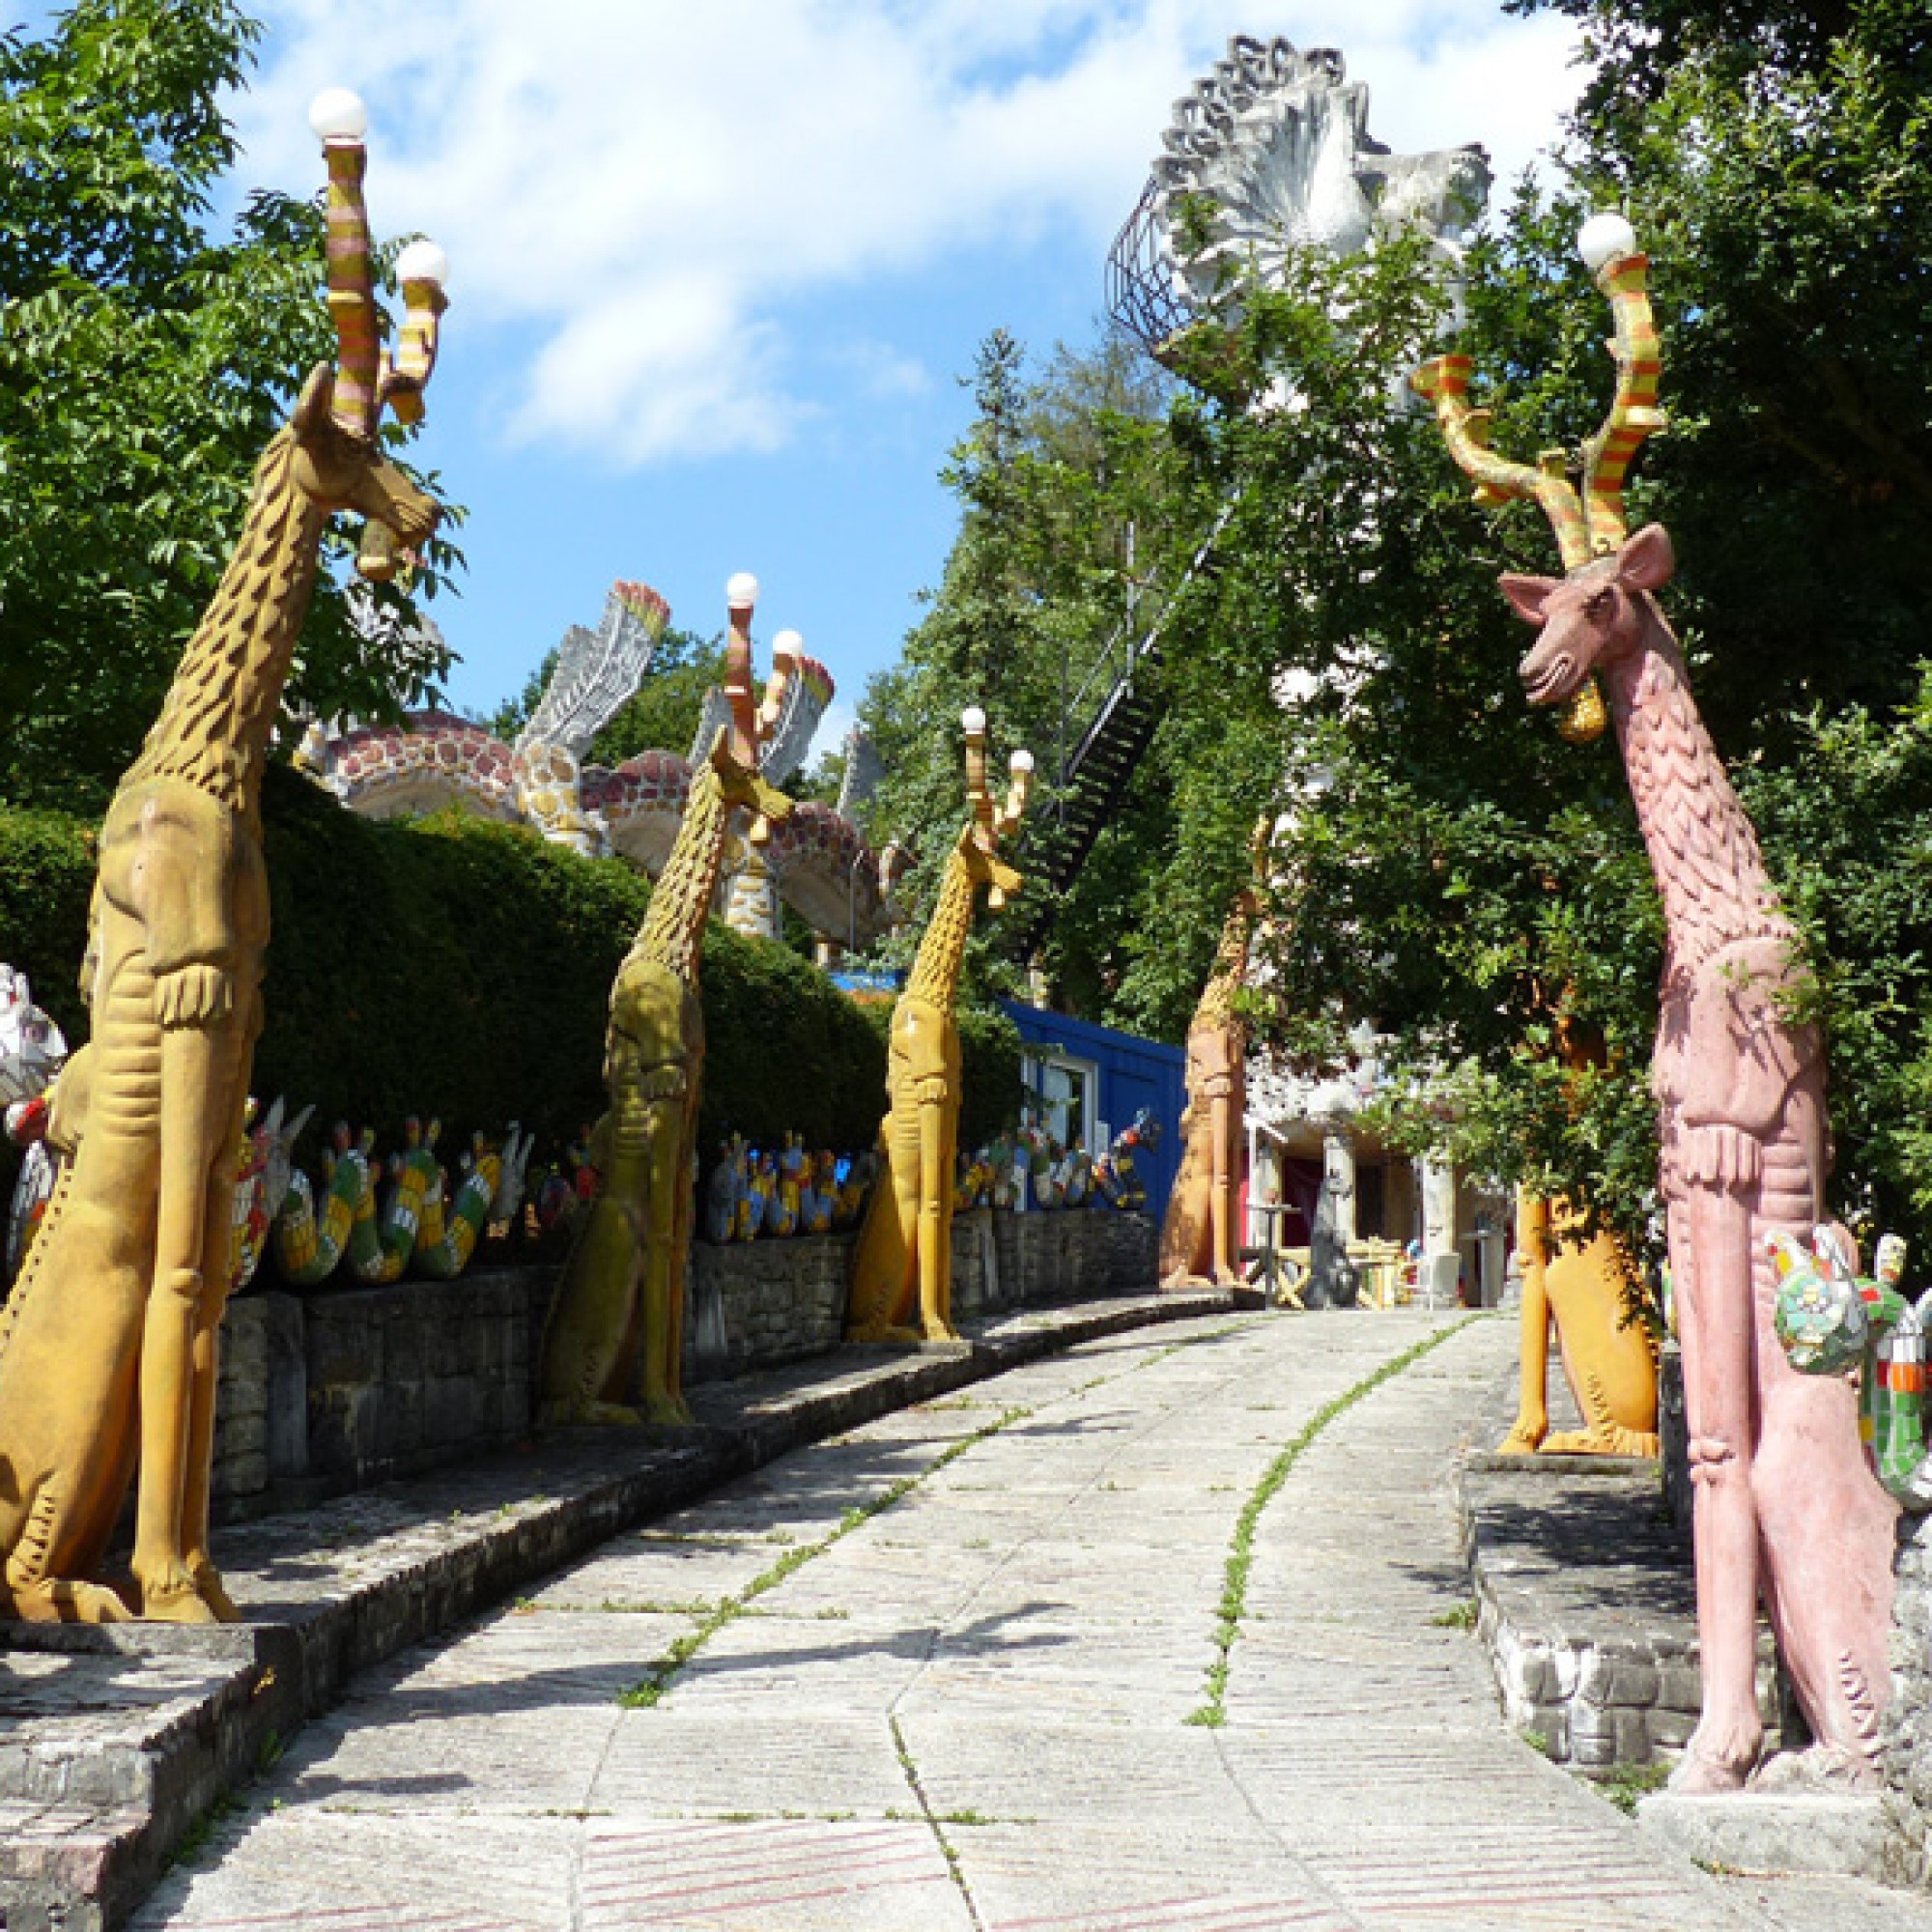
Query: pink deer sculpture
{"type": "Point", "coordinates": [1785, 1504]}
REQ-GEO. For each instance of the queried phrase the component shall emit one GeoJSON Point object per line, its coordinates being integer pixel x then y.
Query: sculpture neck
{"type": "Point", "coordinates": [935, 973]}
{"type": "Point", "coordinates": [672, 933]}
{"type": "Point", "coordinates": [221, 710]}
{"type": "Point", "coordinates": [1703, 848]}
{"type": "Point", "coordinates": [1231, 966]}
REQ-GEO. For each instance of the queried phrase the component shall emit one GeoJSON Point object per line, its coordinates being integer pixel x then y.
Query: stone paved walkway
{"type": "Point", "coordinates": [936, 1676]}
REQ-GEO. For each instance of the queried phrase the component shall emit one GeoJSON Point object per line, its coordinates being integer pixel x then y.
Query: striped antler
{"type": "Point", "coordinates": [992, 821]}
{"type": "Point", "coordinates": [1588, 524]}
{"type": "Point", "coordinates": [368, 377]}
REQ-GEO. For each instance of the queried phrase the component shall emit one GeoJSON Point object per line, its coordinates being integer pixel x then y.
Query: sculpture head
{"type": "Point", "coordinates": [1610, 571]}
{"type": "Point", "coordinates": [741, 786]}
{"type": "Point", "coordinates": [979, 843]}
{"type": "Point", "coordinates": [1591, 618]}
{"type": "Point", "coordinates": [340, 463]}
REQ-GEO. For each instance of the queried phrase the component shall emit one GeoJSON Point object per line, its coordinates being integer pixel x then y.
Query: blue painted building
{"type": "Point", "coordinates": [1091, 1080]}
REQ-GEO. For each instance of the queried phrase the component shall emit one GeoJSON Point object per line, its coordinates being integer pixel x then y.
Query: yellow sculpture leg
{"type": "Point", "coordinates": [1609, 1361]}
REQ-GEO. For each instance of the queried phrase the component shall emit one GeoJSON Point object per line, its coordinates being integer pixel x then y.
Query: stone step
{"type": "Point", "coordinates": [1841, 1835]}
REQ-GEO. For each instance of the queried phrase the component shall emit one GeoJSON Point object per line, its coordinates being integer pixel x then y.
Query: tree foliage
{"type": "Point", "coordinates": [144, 364]}
{"type": "Point", "coordinates": [1446, 869]}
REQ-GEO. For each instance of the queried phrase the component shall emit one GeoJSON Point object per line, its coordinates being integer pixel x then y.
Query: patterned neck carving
{"type": "Point", "coordinates": [672, 934]}
{"type": "Point", "coordinates": [213, 727]}
{"type": "Point", "coordinates": [1703, 849]}
{"type": "Point", "coordinates": [935, 973]}
{"type": "Point", "coordinates": [1230, 967]}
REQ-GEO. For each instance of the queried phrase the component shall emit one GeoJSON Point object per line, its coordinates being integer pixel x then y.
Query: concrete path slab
{"type": "Point", "coordinates": [958, 1671]}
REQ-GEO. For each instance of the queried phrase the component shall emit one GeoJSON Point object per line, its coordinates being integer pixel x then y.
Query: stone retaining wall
{"type": "Point", "coordinates": [330, 1392]}
{"type": "Point", "coordinates": [1906, 1734]}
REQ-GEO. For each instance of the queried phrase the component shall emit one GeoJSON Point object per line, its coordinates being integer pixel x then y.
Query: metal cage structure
{"type": "Point", "coordinates": [1143, 289]}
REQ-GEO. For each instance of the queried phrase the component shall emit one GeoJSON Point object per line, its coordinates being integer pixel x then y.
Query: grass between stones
{"type": "Point", "coordinates": [1213, 1713]}
{"type": "Point", "coordinates": [650, 1689]}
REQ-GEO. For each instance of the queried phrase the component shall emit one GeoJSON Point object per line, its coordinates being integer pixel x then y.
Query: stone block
{"type": "Point", "coordinates": [284, 1327]}
{"type": "Point", "coordinates": [1680, 1687]}
{"type": "Point", "coordinates": [344, 1341]}
{"type": "Point", "coordinates": [1669, 1728]}
{"type": "Point", "coordinates": [1617, 1681]}
{"type": "Point", "coordinates": [1784, 1831]}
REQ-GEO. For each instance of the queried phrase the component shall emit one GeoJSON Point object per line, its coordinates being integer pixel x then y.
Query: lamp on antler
{"type": "Point", "coordinates": [1780, 1475]}
{"type": "Point", "coordinates": [368, 378]}
{"type": "Point", "coordinates": [1590, 525]}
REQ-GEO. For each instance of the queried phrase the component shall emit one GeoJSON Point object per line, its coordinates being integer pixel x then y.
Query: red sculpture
{"type": "Point", "coordinates": [1785, 1503]}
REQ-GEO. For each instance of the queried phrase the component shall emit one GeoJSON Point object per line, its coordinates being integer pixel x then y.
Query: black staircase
{"type": "Point", "coordinates": [1094, 775]}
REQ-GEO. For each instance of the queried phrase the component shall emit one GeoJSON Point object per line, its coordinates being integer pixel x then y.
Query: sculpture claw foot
{"type": "Point", "coordinates": [588, 1414]}
{"type": "Point", "coordinates": [1709, 1767]}
{"type": "Point", "coordinates": [881, 1333]}
{"type": "Point", "coordinates": [213, 1592]}
{"type": "Point", "coordinates": [62, 1603]}
{"type": "Point", "coordinates": [1524, 1440]}
{"type": "Point", "coordinates": [177, 1601]}
{"type": "Point", "coordinates": [672, 1411]}
{"type": "Point", "coordinates": [1819, 1767]}
{"type": "Point", "coordinates": [1604, 1438]}
{"type": "Point", "coordinates": [935, 1331]}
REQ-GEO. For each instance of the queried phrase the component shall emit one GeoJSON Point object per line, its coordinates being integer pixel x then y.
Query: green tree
{"type": "Point", "coordinates": [144, 364]}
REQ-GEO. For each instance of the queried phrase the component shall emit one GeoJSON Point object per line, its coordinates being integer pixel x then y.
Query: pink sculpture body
{"type": "Point", "coordinates": [1786, 1506]}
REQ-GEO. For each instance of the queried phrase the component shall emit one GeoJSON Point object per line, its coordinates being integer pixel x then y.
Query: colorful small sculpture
{"type": "Point", "coordinates": [1077, 1175]}
{"type": "Point", "coordinates": [1783, 1495]}
{"type": "Point", "coordinates": [818, 1199]}
{"type": "Point", "coordinates": [108, 1344]}
{"type": "Point", "coordinates": [450, 1230]}
{"type": "Point", "coordinates": [622, 1292]}
{"type": "Point", "coordinates": [309, 1249]}
{"type": "Point", "coordinates": [1117, 1175]}
{"type": "Point", "coordinates": [722, 1192]}
{"type": "Point", "coordinates": [855, 1189]}
{"type": "Point", "coordinates": [903, 1264]}
{"type": "Point", "coordinates": [31, 1053]}
{"type": "Point", "coordinates": [262, 1184]}
{"type": "Point", "coordinates": [379, 1247]}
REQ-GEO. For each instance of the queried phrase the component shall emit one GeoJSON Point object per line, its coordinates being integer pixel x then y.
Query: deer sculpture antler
{"type": "Point", "coordinates": [751, 720]}
{"type": "Point", "coordinates": [368, 378]}
{"type": "Point", "coordinates": [992, 822]}
{"type": "Point", "coordinates": [1589, 522]}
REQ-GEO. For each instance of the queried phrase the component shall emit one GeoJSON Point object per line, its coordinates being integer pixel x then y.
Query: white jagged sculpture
{"type": "Point", "coordinates": [1272, 153]}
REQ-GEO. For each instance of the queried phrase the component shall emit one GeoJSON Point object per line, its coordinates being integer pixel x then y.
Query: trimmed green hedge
{"type": "Point", "coordinates": [461, 968]}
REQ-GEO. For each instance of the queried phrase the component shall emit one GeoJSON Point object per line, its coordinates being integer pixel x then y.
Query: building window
{"type": "Point", "coordinates": [1063, 1094]}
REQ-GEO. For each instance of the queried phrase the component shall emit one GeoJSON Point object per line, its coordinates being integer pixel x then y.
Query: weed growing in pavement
{"type": "Point", "coordinates": [1622, 1784]}
{"type": "Point", "coordinates": [1213, 1712]}
{"type": "Point", "coordinates": [1457, 1616]}
{"type": "Point", "coordinates": [650, 1689]}
{"type": "Point", "coordinates": [1538, 1741]}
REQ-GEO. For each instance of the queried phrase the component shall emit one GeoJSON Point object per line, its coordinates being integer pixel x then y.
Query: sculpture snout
{"type": "Point", "coordinates": [1550, 673]}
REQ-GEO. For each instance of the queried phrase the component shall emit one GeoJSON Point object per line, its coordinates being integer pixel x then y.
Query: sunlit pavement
{"type": "Point", "coordinates": [957, 1670]}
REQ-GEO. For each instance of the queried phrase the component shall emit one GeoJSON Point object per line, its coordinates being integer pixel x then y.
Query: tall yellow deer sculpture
{"type": "Point", "coordinates": [905, 1247]}
{"type": "Point", "coordinates": [108, 1346]}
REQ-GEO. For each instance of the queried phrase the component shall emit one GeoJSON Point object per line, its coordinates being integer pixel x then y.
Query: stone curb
{"type": "Point", "coordinates": [86, 1831]}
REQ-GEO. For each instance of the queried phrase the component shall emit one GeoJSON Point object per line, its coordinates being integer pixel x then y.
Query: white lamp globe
{"type": "Point", "coordinates": [788, 644]}
{"type": "Point", "coordinates": [337, 115]}
{"type": "Point", "coordinates": [1604, 238]}
{"type": "Point", "coordinates": [742, 592]}
{"type": "Point", "coordinates": [424, 262]}
{"type": "Point", "coordinates": [973, 720]}
{"type": "Point", "coordinates": [1021, 764]}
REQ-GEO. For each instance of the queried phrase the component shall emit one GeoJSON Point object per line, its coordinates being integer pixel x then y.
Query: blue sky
{"type": "Point", "coordinates": [717, 263]}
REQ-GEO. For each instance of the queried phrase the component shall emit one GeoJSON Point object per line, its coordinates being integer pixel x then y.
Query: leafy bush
{"type": "Point", "coordinates": [461, 968]}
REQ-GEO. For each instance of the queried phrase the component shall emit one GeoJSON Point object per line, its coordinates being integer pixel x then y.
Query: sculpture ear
{"type": "Point", "coordinates": [1528, 595]}
{"type": "Point", "coordinates": [318, 395]}
{"type": "Point", "coordinates": [1647, 561]}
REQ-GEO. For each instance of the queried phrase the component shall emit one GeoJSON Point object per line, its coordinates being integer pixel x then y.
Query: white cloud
{"type": "Point", "coordinates": [645, 188]}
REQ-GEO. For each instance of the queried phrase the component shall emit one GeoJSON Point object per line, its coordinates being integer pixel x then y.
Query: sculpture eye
{"type": "Point", "coordinates": [1600, 604]}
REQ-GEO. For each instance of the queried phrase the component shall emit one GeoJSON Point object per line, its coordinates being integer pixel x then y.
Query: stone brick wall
{"type": "Point", "coordinates": [327, 1392]}
{"type": "Point", "coordinates": [1906, 1735]}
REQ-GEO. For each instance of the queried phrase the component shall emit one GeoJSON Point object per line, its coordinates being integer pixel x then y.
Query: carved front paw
{"type": "Point", "coordinates": [193, 996]}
